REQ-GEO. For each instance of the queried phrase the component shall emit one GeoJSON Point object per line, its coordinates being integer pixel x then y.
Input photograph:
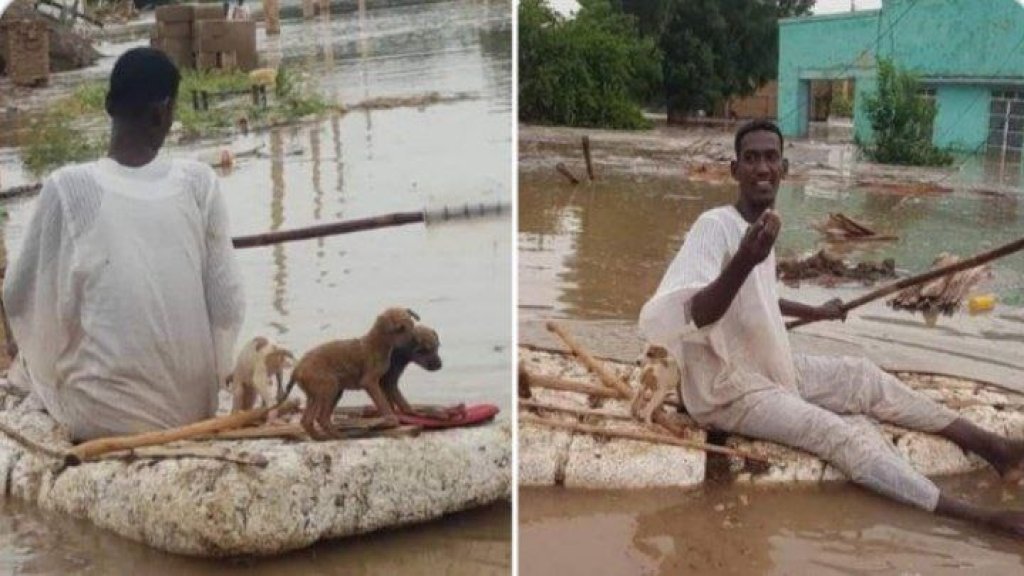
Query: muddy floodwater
{"type": "Point", "coordinates": [597, 251]}
{"type": "Point", "coordinates": [831, 530]}
{"type": "Point", "coordinates": [428, 88]}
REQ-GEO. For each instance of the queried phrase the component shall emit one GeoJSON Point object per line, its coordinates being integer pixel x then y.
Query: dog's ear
{"type": "Point", "coordinates": [414, 315]}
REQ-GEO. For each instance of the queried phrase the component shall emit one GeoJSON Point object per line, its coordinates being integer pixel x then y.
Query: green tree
{"type": "Point", "coordinates": [591, 70]}
{"type": "Point", "coordinates": [717, 49]}
{"type": "Point", "coordinates": [902, 121]}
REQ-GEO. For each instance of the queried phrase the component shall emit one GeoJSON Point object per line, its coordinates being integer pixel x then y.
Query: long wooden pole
{"type": "Point", "coordinates": [660, 416]}
{"type": "Point", "coordinates": [344, 227]}
{"type": "Point", "coordinates": [94, 448]}
{"type": "Point", "coordinates": [972, 262]}
{"type": "Point", "coordinates": [640, 436]}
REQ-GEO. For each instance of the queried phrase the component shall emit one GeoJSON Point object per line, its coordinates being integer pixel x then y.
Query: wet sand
{"type": "Point", "coordinates": [424, 153]}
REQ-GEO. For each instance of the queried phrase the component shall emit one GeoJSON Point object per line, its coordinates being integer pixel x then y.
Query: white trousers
{"type": "Point", "coordinates": [829, 386]}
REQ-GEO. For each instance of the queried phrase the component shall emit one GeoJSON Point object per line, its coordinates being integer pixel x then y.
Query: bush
{"type": "Point", "coordinates": [590, 71]}
{"type": "Point", "coordinates": [902, 121]}
{"type": "Point", "coordinates": [841, 107]}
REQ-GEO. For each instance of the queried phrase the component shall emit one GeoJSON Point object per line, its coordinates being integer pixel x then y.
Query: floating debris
{"type": "Point", "coordinates": [831, 270]}
{"type": "Point", "coordinates": [841, 228]}
{"type": "Point", "coordinates": [943, 295]}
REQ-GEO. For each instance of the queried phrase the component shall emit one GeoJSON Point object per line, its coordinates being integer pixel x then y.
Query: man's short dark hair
{"type": "Point", "coordinates": [141, 77]}
{"type": "Point", "coordinates": [759, 125]}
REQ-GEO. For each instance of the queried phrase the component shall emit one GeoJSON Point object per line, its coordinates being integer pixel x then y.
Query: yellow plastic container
{"type": "Point", "coordinates": [983, 303]}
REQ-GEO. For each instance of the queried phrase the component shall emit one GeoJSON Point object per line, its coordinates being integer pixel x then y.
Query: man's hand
{"type": "Point", "coordinates": [831, 310]}
{"type": "Point", "coordinates": [760, 237]}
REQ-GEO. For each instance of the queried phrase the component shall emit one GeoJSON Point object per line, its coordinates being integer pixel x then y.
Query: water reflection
{"type": "Point", "coordinates": [597, 251]}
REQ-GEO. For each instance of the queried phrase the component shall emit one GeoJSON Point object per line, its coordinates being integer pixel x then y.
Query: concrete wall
{"type": "Point", "coordinates": [964, 48]}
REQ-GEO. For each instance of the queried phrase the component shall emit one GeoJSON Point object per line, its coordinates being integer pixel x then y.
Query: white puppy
{"type": "Point", "coordinates": [659, 374]}
{"type": "Point", "coordinates": [257, 361]}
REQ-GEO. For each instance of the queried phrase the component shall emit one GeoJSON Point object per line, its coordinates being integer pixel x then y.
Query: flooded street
{"type": "Point", "coordinates": [592, 254]}
{"type": "Point", "coordinates": [598, 251]}
{"type": "Point", "coordinates": [436, 132]}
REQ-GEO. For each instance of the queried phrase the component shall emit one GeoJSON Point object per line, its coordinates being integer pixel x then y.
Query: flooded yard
{"type": "Point", "coordinates": [436, 132]}
{"type": "Point", "coordinates": [592, 254]}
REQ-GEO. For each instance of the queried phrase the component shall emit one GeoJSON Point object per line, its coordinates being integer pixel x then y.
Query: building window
{"type": "Point", "coordinates": [1006, 122]}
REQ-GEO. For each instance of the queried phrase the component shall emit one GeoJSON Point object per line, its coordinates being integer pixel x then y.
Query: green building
{"type": "Point", "coordinates": [969, 55]}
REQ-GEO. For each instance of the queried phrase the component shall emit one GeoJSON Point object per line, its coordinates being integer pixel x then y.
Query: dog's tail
{"type": "Point", "coordinates": [283, 394]}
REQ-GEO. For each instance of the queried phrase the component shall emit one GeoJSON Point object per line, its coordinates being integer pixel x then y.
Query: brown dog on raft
{"type": "Point", "coordinates": [326, 371]}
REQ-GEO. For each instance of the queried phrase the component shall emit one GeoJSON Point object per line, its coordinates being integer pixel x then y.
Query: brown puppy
{"type": "Point", "coordinates": [257, 362]}
{"type": "Point", "coordinates": [422, 351]}
{"type": "Point", "coordinates": [326, 371]}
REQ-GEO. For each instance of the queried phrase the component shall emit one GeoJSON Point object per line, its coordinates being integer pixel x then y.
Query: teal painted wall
{"type": "Point", "coordinates": [965, 48]}
{"type": "Point", "coordinates": [820, 47]}
{"type": "Point", "coordinates": [962, 121]}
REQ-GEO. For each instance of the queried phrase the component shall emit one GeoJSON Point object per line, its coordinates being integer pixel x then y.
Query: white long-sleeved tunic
{"type": "Point", "coordinates": [747, 349]}
{"type": "Point", "coordinates": [125, 299]}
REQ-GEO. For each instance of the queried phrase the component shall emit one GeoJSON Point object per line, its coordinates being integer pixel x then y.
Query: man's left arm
{"type": "Point", "coordinates": [831, 310]}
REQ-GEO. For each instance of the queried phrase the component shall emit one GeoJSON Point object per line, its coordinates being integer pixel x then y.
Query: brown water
{"type": "Point", "coordinates": [457, 276]}
{"type": "Point", "coordinates": [598, 251]}
{"type": "Point", "coordinates": [468, 543]}
{"type": "Point", "coordinates": [834, 529]}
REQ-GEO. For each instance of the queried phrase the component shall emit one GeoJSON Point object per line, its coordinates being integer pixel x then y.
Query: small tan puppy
{"type": "Point", "coordinates": [326, 371]}
{"type": "Point", "coordinates": [257, 362]}
{"type": "Point", "coordinates": [659, 374]}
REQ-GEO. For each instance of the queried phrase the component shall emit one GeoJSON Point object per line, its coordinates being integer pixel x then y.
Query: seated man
{"type": "Point", "coordinates": [125, 300]}
{"type": "Point", "coordinates": [718, 312]}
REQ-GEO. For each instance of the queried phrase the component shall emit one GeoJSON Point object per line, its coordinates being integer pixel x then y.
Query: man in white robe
{"type": "Point", "coordinates": [125, 300]}
{"type": "Point", "coordinates": [717, 311]}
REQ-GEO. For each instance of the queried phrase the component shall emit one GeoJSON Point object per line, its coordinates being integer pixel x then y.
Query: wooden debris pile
{"type": "Point", "coordinates": [831, 270]}
{"type": "Point", "coordinates": [943, 295]}
{"type": "Point", "coordinates": [838, 227]}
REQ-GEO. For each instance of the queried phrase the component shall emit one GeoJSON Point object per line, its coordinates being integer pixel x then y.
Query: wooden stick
{"type": "Point", "coordinates": [553, 383]}
{"type": "Point", "coordinates": [594, 366]}
{"type": "Point", "coordinates": [623, 390]}
{"type": "Point", "coordinates": [344, 227]}
{"type": "Point", "coordinates": [160, 453]}
{"type": "Point", "coordinates": [18, 191]}
{"type": "Point", "coordinates": [94, 448]}
{"type": "Point", "coordinates": [586, 156]}
{"type": "Point", "coordinates": [584, 412]}
{"type": "Point", "coordinates": [296, 432]}
{"type": "Point", "coordinates": [641, 436]}
{"type": "Point", "coordinates": [564, 171]}
{"type": "Point", "coordinates": [928, 276]}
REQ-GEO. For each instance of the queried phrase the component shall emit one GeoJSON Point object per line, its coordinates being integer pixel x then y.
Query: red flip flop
{"type": "Point", "coordinates": [475, 414]}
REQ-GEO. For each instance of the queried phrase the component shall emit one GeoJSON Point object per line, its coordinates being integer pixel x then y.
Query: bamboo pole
{"type": "Point", "coordinates": [641, 436]}
{"type": "Point", "coordinates": [94, 448]}
{"type": "Point", "coordinates": [972, 262]}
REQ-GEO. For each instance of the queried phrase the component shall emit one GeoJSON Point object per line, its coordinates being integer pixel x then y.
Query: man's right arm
{"type": "Point", "coordinates": [709, 304]}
